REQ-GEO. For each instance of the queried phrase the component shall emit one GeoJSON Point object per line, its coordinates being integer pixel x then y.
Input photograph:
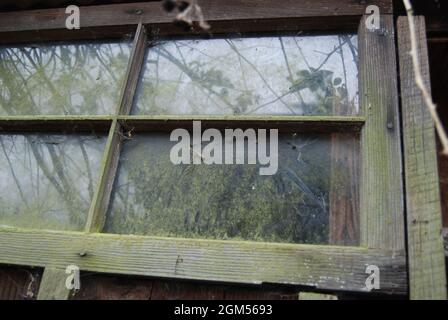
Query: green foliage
{"type": "Point", "coordinates": [154, 197]}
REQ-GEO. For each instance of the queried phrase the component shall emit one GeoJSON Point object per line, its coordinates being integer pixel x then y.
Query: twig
{"type": "Point", "coordinates": [193, 12]}
{"type": "Point", "coordinates": [419, 79]}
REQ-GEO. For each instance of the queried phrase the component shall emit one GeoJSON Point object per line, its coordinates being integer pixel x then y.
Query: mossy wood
{"type": "Point", "coordinates": [424, 218]}
{"type": "Point", "coordinates": [382, 214]}
{"type": "Point", "coordinates": [321, 267]}
{"type": "Point", "coordinates": [100, 202]}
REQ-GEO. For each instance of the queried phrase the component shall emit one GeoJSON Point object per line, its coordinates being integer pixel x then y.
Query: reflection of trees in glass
{"type": "Point", "coordinates": [62, 79]}
{"type": "Point", "coordinates": [47, 181]}
{"type": "Point", "coordinates": [283, 75]}
{"type": "Point", "coordinates": [154, 197]}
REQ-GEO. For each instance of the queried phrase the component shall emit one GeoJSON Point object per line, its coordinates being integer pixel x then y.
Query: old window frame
{"type": "Point", "coordinates": [321, 267]}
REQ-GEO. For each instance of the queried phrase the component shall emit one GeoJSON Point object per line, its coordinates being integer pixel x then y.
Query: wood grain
{"type": "Point", "coordinates": [214, 10]}
{"type": "Point", "coordinates": [133, 71]}
{"type": "Point", "coordinates": [224, 16]}
{"type": "Point", "coordinates": [52, 286]}
{"type": "Point", "coordinates": [66, 124]}
{"type": "Point", "coordinates": [109, 166]}
{"type": "Point", "coordinates": [321, 124]}
{"type": "Point", "coordinates": [382, 213]}
{"type": "Point", "coordinates": [424, 220]}
{"type": "Point", "coordinates": [98, 210]}
{"type": "Point", "coordinates": [321, 267]}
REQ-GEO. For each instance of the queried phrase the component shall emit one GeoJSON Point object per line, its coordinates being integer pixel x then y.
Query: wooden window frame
{"type": "Point", "coordinates": [336, 268]}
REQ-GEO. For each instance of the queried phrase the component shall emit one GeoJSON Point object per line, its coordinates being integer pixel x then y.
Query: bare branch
{"type": "Point", "coordinates": [420, 82]}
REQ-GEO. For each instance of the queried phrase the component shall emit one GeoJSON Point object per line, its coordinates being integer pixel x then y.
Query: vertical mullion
{"type": "Point", "coordinates": [381, 194]}
{"type": "Point", "coordinates": [133, 71]}
{"type": "Point", "coordinates": [427, 279]}
{"type": "Point", "coordinates": [109, 164]}
{"type": "Point", "coordinates": [98, 209]}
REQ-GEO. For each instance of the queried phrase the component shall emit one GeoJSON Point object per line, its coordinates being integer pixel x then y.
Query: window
{"type": "Point", "coordinates": [85, 141]}
{"type": "Point", "coordinates": [288, 75]}
{"type": "Point", "coordinates": [154, 197]}
{"type": "Point", "coordinates": [48, 180]}
{"type": "Point", "coordinates": [66, 79]}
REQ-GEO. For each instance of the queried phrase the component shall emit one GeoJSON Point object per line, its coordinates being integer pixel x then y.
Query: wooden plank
{"type": "Point", "coordinates": [282, 123]}
{"type": "Point", "coordinates": [169, 29]}
{"type": "Point", "coordinates": [424, 220]}
{"type": "Point", "coordinates": [214, 10]}
{"type": "Point", "coordinates": [381, 194]}
{"type": "Point", "coordinates": [67, 124]}
{"type": "Point", "coordinates": [53, 286]}
{"type": "Point", "coordinates": [321, 267]}
{"type": "Point", "coordinates": [316, 296]}
{"type": "Point", "coordinates": [133, 71]}
{"type": "Point", "coordinates": [169, 122]}
{"type": "Point", "coordinates": [445, 242]}
{"type": "Point", "coordinates": [97, 212]}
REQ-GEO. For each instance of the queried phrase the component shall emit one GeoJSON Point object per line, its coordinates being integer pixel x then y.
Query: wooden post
{"type": "Point", "coordinates": [52, 286]}
{"type": "Point", "coordinates": [424, 221]}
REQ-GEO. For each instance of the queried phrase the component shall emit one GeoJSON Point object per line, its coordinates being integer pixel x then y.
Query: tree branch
{"type": "Point", "coordinates": [420, 82]}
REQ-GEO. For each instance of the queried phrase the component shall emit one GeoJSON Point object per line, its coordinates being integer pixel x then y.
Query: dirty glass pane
{"type": "Point", "coordinates": [297, 204]}
{"type": "Point", "coordinates": [47, 180]}
{"type": "Point", "coordinates": [312, 75]}
{"type": "Point", "coordinates": [58, 79]}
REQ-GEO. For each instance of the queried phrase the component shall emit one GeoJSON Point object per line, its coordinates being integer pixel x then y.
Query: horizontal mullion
{"type": "Point", "coordinates": [282, 123]}
{"type": "Point", "coordinates": [321, 267]}
{"type": "Point", "coordinates": [64, 123]}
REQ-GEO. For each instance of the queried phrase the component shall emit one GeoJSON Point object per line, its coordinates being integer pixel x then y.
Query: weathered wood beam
{"type": "Point", "coordinates": [382, 204]}
{"type": "Point", "coordinates": [98, 209]}
{"type": "Point", "coordinates": [214, 10]}
{"type": "Point", "coordinates": [445, 241]}
{"type": "Point", "coordinates": [109, 165]}
{"type": "Point", "coordinates": [321, 267]}
{"type": "Point", "coordinates": [52, 286]}
{"type": "Point", "coordinates": [65, 124]}
{"type": "Point", "coordinates": [316, 124]}
{"type": "Point", "coordinates": [133, 71]}
{"type": "Point", "coordinates": [424, 219]}
{"type": "Point", "coordinates": [224, 16]}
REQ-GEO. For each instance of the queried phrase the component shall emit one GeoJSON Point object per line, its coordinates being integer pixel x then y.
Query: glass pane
{"type": "Point", "coordinates": [306, 201]}
{"type": "Point", "coordinates": [60, 79]}
{"type": "Point", "coordinates": [47, 181]}
{"type": "Point", "coordinates": [315, 75]}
